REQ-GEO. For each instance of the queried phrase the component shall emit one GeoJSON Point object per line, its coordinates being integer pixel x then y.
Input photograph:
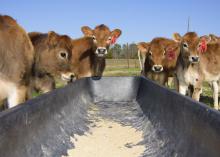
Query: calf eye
{"type": "Point", "coordinates": [109, 38]}
{"type": "Point", "coordinates": [185, 45]}
{"type": "Point", "coordinates": [150, 52]}
{"type": "Point", "coordinates": [63, 55]}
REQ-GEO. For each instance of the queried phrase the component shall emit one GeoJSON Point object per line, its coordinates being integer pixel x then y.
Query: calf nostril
{"type": "Point", "coordinates": [157, 68]}
{"type": "Point", "coordinates": [195, 59]}
{"type": "Point", "coordinates": [101, 50]}
{"type": "Point", "coordinates": [72, 76]}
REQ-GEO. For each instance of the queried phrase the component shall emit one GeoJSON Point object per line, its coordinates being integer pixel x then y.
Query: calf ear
{"type": "Point", "coordinates": [116, 33]}
{"type": "Point", "coordinates": [203, 41]}
{"type": "Point", "coordinates": [177, 37]}
{"type": "Point", "coordinates": [143, 47]}
{"type": "Point", "coordinates": [214, 38]}
{"type": "Point", "coordinates": [206, 38]}
{"type": "Point", "coordinates": [87, 31]}
{"type": "Point", "coordinates": [52, 38]}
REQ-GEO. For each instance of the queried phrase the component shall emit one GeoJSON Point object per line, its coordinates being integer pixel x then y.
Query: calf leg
{"type": "Point", "coordinates": [190, 90]}
{"type": "Point", "coordinates": [170, 81]}
{"type": "Point", "coordinates": [215, 94]}
{"type": "Point", "coordinates": [17, 95]}
{"type": "Point", "coordinates": [183, 88]}
{"type": "Point", "coordinates": [197, 91]}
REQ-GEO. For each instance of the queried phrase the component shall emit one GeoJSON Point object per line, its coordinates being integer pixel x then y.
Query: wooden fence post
{"type": "Point", "coordinates": [128, 56]}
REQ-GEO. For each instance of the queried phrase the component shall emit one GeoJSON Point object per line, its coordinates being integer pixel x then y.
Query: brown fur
{"type": "Point", "coordinates": [86, 58]}
{"type": "Point", "coordinates": [156, 54]}
{"type": "Point", "coordinates": [207, 69]}
{"type": "Point", "coordinates": [49, 63]}
{"type": "Point", "coordinates": [16, 59]}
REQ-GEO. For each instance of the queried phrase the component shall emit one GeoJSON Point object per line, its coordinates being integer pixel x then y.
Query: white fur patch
{"type": "Point", "coordinates": [6, 88]}
{"type": "Point", "coordinates": [191, 75]}
{"type": "Point", "coordinates": [9, 91]}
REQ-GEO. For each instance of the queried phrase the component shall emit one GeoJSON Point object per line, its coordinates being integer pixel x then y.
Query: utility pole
{"type": "Point", "coordinates": [188, 28]}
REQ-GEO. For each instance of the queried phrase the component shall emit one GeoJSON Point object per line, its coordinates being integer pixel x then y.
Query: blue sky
{"type": "Point", "coordinates": [139, 20]}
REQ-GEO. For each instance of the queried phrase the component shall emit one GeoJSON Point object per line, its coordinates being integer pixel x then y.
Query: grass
{"type": "Point", "coordinates": [120, 68]}
{"type": "Point", "coordinates": [122, 72]}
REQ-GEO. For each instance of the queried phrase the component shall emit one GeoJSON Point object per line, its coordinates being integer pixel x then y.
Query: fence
{"type": "Point", "coordinates": [122, 67]}
{"type": "Point", "coordinates": [122, 63]}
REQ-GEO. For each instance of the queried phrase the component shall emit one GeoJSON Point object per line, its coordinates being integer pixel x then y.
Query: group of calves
{"type": "Point", "coordinates": [32, 61]}
{"type": "Point", "coordinates": [190, 59]}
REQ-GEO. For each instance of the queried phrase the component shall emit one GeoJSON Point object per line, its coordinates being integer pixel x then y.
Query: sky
{"type": "Point", "coordinates": [139, 20]}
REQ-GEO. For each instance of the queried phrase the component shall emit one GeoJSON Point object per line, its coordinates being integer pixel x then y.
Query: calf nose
{"type": "Point", "coordinates": [69, 77]}
{"type": "Point", "coordinates": [72, 77]}
{"type": "Point", "coordinates": [101, 50]}
{"type": "Point", "coordinates": [195, 58]}
{"type": "Point", "coordinates": [157, 68]}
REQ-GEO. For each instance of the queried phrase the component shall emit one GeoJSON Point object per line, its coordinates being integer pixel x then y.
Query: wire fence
{"type": "Point", "coordinates": [122, 63]}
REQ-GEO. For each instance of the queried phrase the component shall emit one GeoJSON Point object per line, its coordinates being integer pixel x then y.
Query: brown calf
{"type": "Point", "coordinates": [89, 52]}
{"type": "Point", "coordinates": [161, 58]}
{"type": "Point", "coordinates": [199, 62]}
{"type": "Point", "coordinates": [16, 59]}
{"type": "Point", "coordinates": [52, 60]}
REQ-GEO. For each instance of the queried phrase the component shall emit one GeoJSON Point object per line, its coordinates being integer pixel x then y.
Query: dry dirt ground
{"type": "Point", "coordinates": [108, 139]}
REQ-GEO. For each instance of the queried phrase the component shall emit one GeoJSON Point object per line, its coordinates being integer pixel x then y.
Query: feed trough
{"type": "Point", "coordinates": [113, 116]}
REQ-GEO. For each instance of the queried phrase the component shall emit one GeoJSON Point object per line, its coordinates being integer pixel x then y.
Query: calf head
{"type": "Point", "coordinates": [56, 60]}
{"type": "Point", "coordinates": [192, 46]}
{"type": "Point", "coordinates": [102, 38]}
{"type": "Point", "coordinates": [159, 52]}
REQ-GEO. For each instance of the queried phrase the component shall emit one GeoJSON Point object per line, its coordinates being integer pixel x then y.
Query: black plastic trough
{"type": "Point", "coordinates": [172, 125]}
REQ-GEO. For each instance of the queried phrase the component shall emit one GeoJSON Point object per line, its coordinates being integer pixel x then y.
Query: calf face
{"type": "Point", "coordinates": [60, 48]}
{"type": "Point", "coordinates": [192, 46]}
{"type": "Point", "coordinates": [102, 38]}
{"type": "Point", "coordinates": [53, 56]}
{"type": "Point", "coordinates": [161, 53]}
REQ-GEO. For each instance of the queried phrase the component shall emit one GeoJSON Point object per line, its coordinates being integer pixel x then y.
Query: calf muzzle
{"type": "Point", "coordinates": [194, 59]}
{"type": "Point", "coordinates": [157, 68]}
{"type": "Point", "coordinates": [101, 51]}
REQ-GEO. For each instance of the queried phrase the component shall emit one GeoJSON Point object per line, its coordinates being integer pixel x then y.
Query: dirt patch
{"type": "Point", "coordinates": [108, 139]}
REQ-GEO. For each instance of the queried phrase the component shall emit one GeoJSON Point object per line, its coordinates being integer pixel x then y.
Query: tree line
{"type": "Point", "coordinates": [124, 51]}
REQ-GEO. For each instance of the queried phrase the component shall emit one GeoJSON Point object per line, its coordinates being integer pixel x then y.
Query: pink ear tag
{"type": "Point", "coordinates": [170, 54]}
{"type": "Point", "coordinates": [113, 41]}
{"type": "Point", "coordinates": [203, 46]}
